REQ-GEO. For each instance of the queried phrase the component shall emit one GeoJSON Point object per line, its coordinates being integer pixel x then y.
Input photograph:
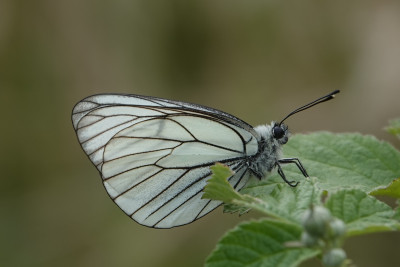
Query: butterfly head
{"type": "Point", "coordinates": [280, 132]}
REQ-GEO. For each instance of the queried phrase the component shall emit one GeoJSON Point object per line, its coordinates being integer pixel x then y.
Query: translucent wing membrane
{"type": "Point", "coordinates": [154, 154]}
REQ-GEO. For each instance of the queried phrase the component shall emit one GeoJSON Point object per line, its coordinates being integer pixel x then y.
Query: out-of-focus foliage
{"type": "Point", "coordinates": [394, 127]}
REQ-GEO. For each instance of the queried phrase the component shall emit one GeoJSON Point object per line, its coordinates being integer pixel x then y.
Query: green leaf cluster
{"type": "Point", "coordinates": [347, 171]}
{"type": "Point", "coordinates": [394, 127]}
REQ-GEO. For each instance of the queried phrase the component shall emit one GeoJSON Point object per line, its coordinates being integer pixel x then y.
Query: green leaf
{"type": "Point", "coordinates": [392, 190]}
{"type": "Point", "coordinates": [261, 243]}
{"type": "Point", "coordinates": [361, 213]}
{"type": "Point", "coordinates": [288, 203]}
{"type": "Point", "coordinates": [338, 161]}
{"type": "Point", "coordinates": [345, 167]}
{"type": "Point", "coordinates": [218, 187]}
{"type": "Point", "coordinates": [284, 202]}
{"type": "Point", "coordinates": [394, 127]}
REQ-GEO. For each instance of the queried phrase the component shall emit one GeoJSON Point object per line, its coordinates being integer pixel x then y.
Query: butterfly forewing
{"type": "Point", "coordinates": [154, 154]}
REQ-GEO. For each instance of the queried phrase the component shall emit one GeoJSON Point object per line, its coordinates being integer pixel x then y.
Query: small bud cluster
{"type": "Point", "coordinates": [323, 230]}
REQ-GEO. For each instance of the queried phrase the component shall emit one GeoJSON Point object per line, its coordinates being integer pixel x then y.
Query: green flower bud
{"type": "Point", "coordinates": [308, 240]}
{"type": "Point", "coordinates": [338, 228]}
{"type": "Point", "coordinates": [316, 220]}
{"type": "Point", "coordinates": [334, 257]}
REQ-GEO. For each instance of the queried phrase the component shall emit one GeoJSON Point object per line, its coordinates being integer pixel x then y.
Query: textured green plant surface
{"type": "Point", "coordinates": [347, 171]}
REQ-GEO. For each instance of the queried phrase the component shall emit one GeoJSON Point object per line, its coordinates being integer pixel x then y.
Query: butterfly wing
{"type": "Point", "coordinates": [154, 154]}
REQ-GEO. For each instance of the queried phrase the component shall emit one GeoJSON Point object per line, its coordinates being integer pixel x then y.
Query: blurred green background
{"type": "Point", "coordinates": [255, 59]}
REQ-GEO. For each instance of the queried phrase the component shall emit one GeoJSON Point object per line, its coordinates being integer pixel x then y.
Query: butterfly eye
{"type": "Point", "coordinates": [278, 132]}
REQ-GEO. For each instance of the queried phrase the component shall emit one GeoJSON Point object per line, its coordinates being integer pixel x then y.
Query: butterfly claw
{"type": "Point", "coordinates": [293, 183]}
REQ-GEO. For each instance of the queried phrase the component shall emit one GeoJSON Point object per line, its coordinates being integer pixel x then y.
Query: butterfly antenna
{"type": "Point", "coordinates": [311, 104]}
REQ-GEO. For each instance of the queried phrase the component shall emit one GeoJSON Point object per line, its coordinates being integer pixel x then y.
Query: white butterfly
{"type": "Point", "coordinates": [154, 154]}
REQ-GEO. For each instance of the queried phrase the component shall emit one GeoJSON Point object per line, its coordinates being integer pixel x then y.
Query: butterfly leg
{"type": "Point", "coordinates": [280, 171]}
{"type": "Point", "coordinates": [297, 162]}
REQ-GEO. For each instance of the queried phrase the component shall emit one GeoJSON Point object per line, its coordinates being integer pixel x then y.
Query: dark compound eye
{"type": "Point", "coordinates": [278, 132]}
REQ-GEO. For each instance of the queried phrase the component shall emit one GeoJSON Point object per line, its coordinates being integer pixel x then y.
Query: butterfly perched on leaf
{"type": "Point", "coordinates": [154, 155]}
